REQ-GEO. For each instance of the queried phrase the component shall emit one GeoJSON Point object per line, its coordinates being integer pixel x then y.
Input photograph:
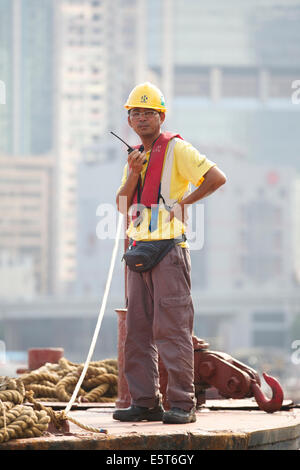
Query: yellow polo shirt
{"type": "Point", "coordinates": [188, 168]}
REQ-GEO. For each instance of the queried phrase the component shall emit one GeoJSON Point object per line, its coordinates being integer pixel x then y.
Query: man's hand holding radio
{"type": "Point", "coordinates": [136, 161]}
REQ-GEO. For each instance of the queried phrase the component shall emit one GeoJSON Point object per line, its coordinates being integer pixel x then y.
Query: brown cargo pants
{"type": "Point", "coordinates": [160, 318]}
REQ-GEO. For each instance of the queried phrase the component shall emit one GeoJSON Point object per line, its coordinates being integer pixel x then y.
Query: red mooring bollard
{"type": "Point", "coordinates": [37, 357]}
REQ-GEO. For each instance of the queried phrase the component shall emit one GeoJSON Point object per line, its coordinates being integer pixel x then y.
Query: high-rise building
{"type": "Point", "coordinates": [26, 226]}
{"type": "Point", "coordinates": [26, 141]}
{"type": "Point", "coordinates": [89, 80]}
{"type": "Point", "coordinates": [6, 75]}
{"type": "Point", "coordinates": [26, 68]}
{"type": "Point", "coordinates": [65, 66]}
{"type": "Point", "coordinates": [227, 69]}
{"type": "Point", "coordinates": [249, 229]}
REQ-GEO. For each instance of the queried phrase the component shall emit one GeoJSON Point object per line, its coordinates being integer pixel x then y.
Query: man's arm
{"type": "Point", "coordinates": [213, 179]}
{"type": "Point", "coordinates": [125, 194]}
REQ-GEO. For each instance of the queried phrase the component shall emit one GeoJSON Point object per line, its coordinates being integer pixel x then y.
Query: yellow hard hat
{"type": "Point", "coordinates": [146, 95]}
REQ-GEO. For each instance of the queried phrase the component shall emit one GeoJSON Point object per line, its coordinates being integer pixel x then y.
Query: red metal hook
{"type": "Point", "coordinates": [275, 403]}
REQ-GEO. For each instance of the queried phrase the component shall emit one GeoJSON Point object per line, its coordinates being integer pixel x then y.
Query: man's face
{"type": "Point", "coordinates": [144, 121]}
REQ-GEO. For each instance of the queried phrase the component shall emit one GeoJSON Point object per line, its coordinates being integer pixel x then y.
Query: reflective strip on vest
{"type": "Point", "coordinates": [167, 174]}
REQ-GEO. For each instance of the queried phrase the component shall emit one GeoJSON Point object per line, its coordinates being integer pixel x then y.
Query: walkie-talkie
{"type": "Point", "coordinates": [129, 149]}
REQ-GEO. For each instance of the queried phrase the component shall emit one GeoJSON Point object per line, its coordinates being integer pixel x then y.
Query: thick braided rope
{"type": "Point", "coordinates": [58, 417]}
{"type": "Point", "coordinates": [18, 420]}
{"type": "Point", "coordinates": [100, 385]}
{"type": "Point", "coordinates": [58, 385]}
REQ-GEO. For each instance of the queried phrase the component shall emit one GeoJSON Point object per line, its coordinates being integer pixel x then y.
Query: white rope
{"type": "Point", "coordinates": [100, 317]}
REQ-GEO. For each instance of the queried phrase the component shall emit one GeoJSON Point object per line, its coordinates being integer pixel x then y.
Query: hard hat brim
{"type": "Point", "coordinates": [161, 109]}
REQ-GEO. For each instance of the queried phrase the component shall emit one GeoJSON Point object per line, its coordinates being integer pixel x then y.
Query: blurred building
{"type": "Point", "coordinates": [26, 68]}
{"type": "Point", "coordinates": [97, 224]}
{"type": "Point", "coordinates": [26, 227]}
{"type": "Point", "coordinates": [249, 227]}
{"type": "Point", "coordinates": [61, 64]}
{"type": "Point", "coordinates": [244, 276]}
{"type": "Point", "coordinates": [91, 51]}
{"type": "Point", "coordinates": [227, 70]}
{"type": "Point", "coordinates": [26, 141]}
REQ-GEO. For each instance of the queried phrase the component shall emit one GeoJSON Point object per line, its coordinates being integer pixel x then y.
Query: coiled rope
{"type": "Point", "coordinates": [18, 420]}
{"type": "Point", "coordinates": [37, 419]}
{"type": "Point", "coordinates": [56, 382]}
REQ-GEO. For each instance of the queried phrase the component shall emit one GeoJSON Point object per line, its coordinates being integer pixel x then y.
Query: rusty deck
{"type": "Point", "coordinates": [220, 425]}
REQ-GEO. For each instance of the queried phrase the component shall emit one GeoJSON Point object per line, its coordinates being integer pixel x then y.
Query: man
{"type": "Point", "coordinates": [160, 309]}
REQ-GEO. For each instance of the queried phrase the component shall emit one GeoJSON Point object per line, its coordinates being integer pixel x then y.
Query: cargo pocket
{"type": "Point", "coordinates": [175, 316]}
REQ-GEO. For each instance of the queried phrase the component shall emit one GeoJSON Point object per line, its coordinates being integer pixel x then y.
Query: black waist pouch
{"type": "Point", "coordinates": [143, 256]}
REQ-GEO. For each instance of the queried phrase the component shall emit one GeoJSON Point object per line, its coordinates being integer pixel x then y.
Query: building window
{"type": "Point", "coordinates": [192, 81]}
{"type": "Point", "coordinates": [261, 241]}
{"type": "Point", "coordinates": [269, 329]}
{"type": "Point", "coordinates": [280, 85]}
{"type": "Point", "coordinates": [267, 338]}
{"type": "Point", "coordinates": [239, 83]}
{"type": "Point", "coordinates": [271, 317]}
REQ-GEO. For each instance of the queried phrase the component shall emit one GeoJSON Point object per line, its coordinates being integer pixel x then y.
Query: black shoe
{"type": "Point", "coordinates": [139, 413]}
{"type": "Point", "coordinates": [179, 416]}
